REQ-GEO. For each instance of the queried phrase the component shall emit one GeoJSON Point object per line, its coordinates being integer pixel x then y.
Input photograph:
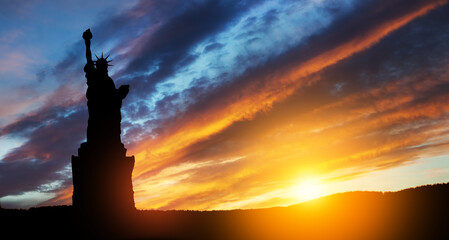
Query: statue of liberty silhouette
{"type": "Point", "coordinates": [104, 100]}
{"type": "Point", "coordinates": [102, 184]}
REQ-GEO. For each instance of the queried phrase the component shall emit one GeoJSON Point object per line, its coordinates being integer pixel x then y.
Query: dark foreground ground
{"type": "Point", "coordinates": [418, 213]}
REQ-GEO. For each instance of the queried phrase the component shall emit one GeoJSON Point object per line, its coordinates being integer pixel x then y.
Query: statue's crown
{"type": "Point", "coordinates": [102, 62]}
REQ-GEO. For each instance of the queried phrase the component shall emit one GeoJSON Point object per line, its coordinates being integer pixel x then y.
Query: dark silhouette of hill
{"type": "Point", "coordinates": [415, 213]}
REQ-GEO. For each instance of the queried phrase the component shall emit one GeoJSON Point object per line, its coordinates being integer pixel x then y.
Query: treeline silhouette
{"type": "Point", "coordinates": [415, 213]}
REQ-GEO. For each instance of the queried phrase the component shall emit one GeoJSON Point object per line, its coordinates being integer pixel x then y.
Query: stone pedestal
{"type": "Point", "coordinates": [102, 183]}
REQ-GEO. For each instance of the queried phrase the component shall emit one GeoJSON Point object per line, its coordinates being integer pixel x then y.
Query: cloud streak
{"type": "Point", "coordinates": [255, 92]}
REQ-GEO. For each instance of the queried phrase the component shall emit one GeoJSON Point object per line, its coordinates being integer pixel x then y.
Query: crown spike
{"type": "Point", "coordinates": [97, 56]}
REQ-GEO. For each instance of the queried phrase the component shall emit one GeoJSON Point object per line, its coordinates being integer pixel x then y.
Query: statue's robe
{"type": "Point", "coordinates": [104, 103]}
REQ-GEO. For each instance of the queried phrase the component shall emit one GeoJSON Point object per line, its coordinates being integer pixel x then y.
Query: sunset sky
{"type": "Point", "coordinates": [232, 104]}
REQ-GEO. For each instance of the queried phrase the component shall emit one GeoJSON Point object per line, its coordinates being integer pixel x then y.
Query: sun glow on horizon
{"type": "Point", "coordinates": [308, 189]}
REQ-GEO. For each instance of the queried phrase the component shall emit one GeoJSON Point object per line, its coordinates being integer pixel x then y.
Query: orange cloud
{"type": "Point", "coordinates": [365, 131]}
{"type": "Point", "coordinates": [253, 98]}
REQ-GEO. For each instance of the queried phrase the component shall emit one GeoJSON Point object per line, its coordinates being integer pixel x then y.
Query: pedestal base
{"type": "Point", "coordinates": [102, 181]}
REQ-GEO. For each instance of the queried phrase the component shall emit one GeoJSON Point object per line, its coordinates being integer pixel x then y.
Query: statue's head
{"type": "Point", "coordinates": [102, 63]}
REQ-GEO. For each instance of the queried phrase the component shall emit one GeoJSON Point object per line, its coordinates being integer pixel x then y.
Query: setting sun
{"type": "Point", "coordinates": [308, 190]}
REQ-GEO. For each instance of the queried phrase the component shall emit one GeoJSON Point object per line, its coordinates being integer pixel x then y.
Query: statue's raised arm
{"type": "Point", "coordinates": [87, 35]}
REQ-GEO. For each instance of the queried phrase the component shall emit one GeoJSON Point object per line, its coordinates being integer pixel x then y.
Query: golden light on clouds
{"type": "Point", "coordinates": [189, 166]}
